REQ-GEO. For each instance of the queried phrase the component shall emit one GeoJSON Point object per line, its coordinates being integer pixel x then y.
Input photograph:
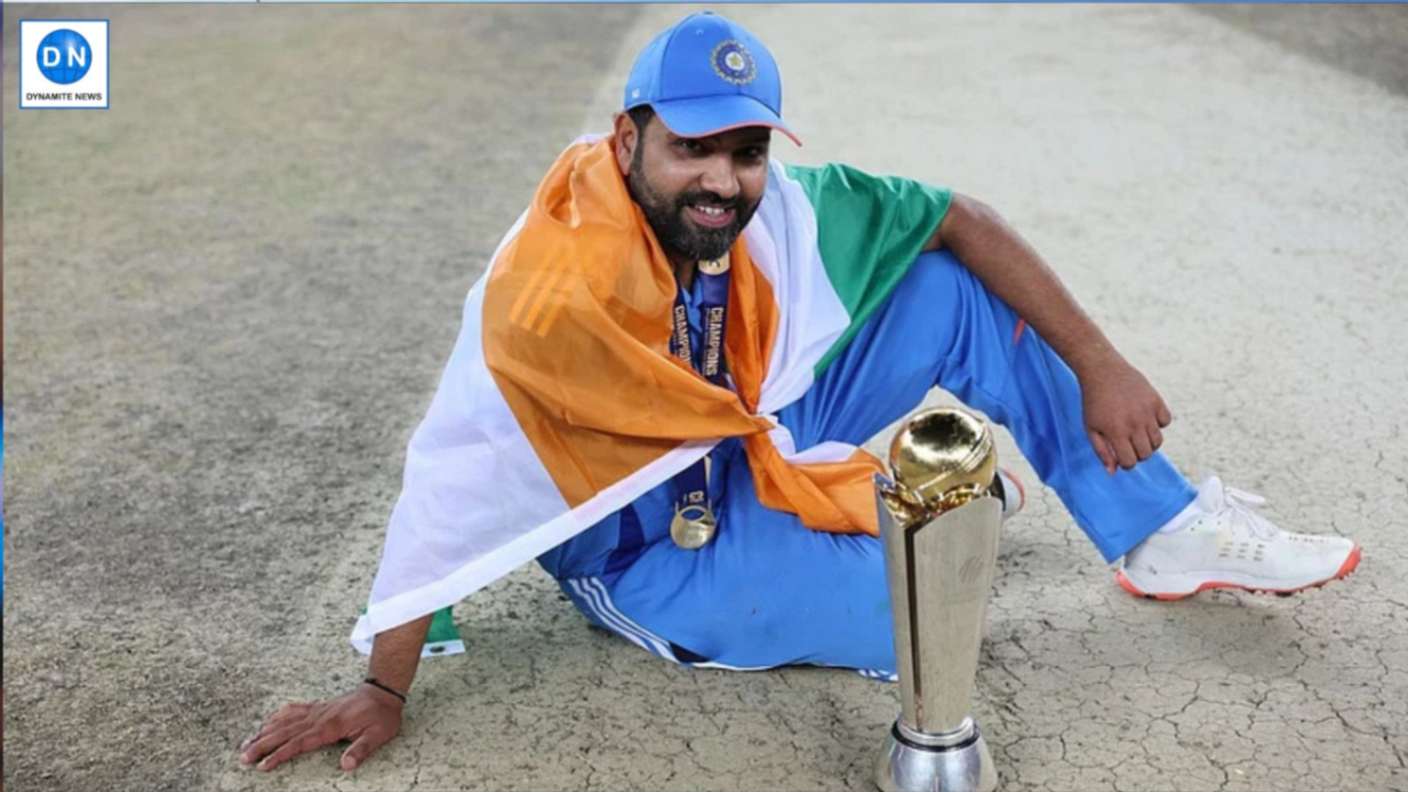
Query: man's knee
{"type": "Point", "coordinates": [934, 286]}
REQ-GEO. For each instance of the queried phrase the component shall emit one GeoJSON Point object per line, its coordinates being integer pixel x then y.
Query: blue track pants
{"type": "Point", "coordinates": [767, 591]}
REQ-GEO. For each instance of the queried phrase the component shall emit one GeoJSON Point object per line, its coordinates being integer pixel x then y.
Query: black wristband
{"type": "Point", "coordinates": [372, 681]}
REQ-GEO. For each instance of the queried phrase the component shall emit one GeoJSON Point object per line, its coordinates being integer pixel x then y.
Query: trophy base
{"type": "Point", "coordinates": [954, 762]}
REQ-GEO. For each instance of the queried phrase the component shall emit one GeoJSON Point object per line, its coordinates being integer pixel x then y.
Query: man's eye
{"type": "Point", "coordinates": [692, 146]}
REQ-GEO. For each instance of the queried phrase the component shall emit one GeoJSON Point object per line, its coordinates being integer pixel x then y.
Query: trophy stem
{"type": "Point", "coordinates": [940, 575]}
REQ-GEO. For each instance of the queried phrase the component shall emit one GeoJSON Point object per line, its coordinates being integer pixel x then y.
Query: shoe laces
{"type": "Point", "coordinates": [1239, 506]}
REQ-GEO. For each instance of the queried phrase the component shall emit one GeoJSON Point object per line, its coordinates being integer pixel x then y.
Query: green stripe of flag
{"type": "Point", "coordinates": [869, 230]}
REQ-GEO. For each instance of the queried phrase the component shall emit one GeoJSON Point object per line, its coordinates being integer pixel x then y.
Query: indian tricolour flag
{"type": "Point", "coordinates": [560, 403]}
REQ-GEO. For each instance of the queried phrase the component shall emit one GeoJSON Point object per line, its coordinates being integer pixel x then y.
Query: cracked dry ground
{"type": "Point", "coordinates": [1277, 350]}
{"type": "Point", "coordinates": [218, 348]}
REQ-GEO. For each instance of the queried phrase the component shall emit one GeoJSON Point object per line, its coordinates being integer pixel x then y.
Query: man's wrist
{"type": "Point", "coordinates": [1091, 357]}
{"type": "Point", "coordinates": [385, 691]}
{"type": "Point", "coordinates": [395, 655]}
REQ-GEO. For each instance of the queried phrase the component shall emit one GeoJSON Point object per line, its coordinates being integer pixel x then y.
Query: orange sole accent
{"type": "Point", "coordinates": [1348, 566]}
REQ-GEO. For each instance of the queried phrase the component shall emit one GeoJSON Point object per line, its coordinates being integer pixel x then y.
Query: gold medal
{"type": "Point", "coordinates": [692, 526]}
{"type": "Point", "coordinates": [716, 266]}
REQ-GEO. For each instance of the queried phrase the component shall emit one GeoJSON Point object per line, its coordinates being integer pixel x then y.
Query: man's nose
{"type": "Point", "coordinates": [719, 177]}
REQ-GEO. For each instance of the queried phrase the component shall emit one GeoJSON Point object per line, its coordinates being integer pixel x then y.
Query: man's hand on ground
{"type": "Point", "coordinates": [367, 716]}
{"type": "Point", "coordinates": [1123, 413]}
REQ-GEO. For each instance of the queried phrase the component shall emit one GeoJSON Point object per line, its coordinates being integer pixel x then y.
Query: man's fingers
{"type": "Point", "coordinates": [296, 709]}
{"type": "Point", "coordinates": [1142, 448]}
{"type": "Point", "coordinates": [303, 743]}
{"type": "Point", "coordinates": [1124, 451]}
{"type": "Point", "coordinates": [1156, 438]}
{"type": "Point", "coordinates": [1165, 417]}
{"type": "Point", "coordinates": [1102, 450]}
{"type": "Point", "coordinates": [248, 741]}
{"type": "Point", "coordinates": [363, 747]}
{"type": "Point", "coordinates": [275, 738]}
{"type": "Point", "coordinates": [284, 713]}
{"type": "Point", "coordinates": [264, 730]}
{"type": "Point", "coordinates": [268, 739]}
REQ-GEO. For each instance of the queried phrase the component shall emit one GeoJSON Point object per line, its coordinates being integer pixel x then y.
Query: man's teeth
{"type": "Point", "coordinates": [717, 211]}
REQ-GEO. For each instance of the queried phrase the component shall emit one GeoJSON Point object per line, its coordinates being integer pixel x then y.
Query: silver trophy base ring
{"type": "Point", "coordinates": [907, 765]}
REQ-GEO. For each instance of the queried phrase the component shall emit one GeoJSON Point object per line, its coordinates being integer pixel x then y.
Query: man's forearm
{"type": "Point", "coordinates": [396, 653]}
{"type": "Point", "coordinates": [1014, 271]}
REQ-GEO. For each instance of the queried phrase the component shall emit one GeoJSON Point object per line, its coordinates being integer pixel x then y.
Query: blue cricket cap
{"type": "Point", "coordinates": [706, 75]}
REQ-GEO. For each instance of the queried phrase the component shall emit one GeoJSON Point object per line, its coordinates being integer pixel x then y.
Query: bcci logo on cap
{"type": "Point", "coordinates": [63, 64]}
{"type": "Point", "coordinates": [733, 63]}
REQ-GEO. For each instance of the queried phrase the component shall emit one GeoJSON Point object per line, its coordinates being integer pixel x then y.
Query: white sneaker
{"type": "Point", "coordinates": [1231, 546]}
{"type": "Point", "coordinates": [1008, 488]}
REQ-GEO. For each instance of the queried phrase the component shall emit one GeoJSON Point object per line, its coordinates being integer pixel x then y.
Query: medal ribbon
{"type": "Point", "coordinates": [692, 485]}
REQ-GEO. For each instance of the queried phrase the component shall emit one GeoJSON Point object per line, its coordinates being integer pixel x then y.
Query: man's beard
{"type": "Point", "coordinates": [675, 233]}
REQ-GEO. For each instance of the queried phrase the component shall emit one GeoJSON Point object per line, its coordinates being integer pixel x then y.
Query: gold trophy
{"type": "Point", "coordinates": [939, 522]}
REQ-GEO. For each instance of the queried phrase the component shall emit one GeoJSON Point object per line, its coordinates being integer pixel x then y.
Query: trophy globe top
{"type": "Point", "coordinates": [945, 456]}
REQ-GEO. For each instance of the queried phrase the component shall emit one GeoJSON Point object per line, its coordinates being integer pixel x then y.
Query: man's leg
{"type": "Point", "coordinates": [1173, 545]}
{"type": "Point", "coordinates": [768, 591]}
{"type": "Point", "coordinates": [942, 327]}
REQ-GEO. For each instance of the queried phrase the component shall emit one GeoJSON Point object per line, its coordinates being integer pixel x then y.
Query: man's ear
{"type": "Point", "coordinates": [627, 138]}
